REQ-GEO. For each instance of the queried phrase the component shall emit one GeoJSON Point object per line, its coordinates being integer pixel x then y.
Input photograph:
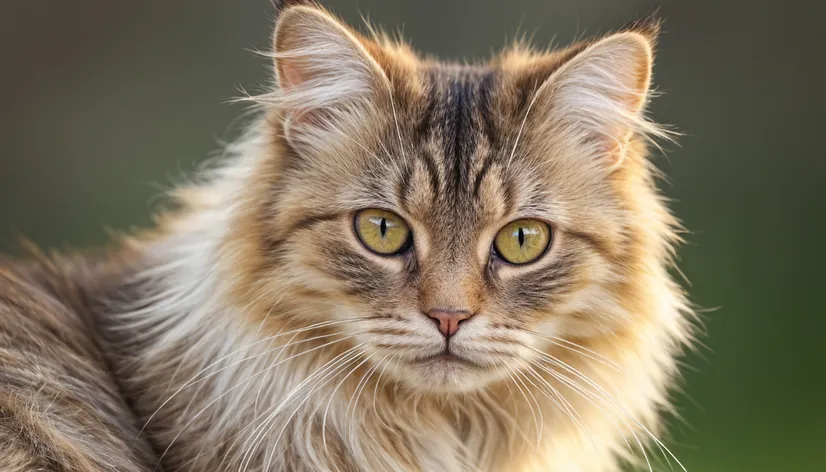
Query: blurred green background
{"type": "Point", "coordinates": [105, 102]}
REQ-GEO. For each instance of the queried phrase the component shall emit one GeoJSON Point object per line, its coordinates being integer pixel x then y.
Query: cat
{"type": "Point", "coordinates": [404, 264]}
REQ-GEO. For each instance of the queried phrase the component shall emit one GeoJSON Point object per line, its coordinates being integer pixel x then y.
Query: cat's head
{"type": "Point", "coordinates": [468, 216]}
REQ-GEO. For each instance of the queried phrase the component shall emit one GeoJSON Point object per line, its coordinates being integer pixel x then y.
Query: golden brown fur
{"type": "Point", "coordinates": [251, 330]}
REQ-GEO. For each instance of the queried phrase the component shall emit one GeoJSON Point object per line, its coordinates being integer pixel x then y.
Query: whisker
{"type": "Point", "coordinates": [533, 413]}
{"type": "Point", "coordinates": [663, 448]}
{"type": "Point", "coordinates": [331, 366]}
{"type": "Point", "coordinates": [309, 395]}
{"type": "Point", "coordinates": [193, 380]}
{"type": "Point", "coordinates": [538, 407]}
{"type": "Point", "coordinates": [357, 394]}
{"type": "Point", "coordinates": [562, 404]}
{"type": "Point", "coordinates": [327, 409]}
{"type": "Point", "coordinates": [266, 412]}
{"type": "Point", "coordinates": [375, 393]}
{"type": "Point", "coordinates": [586, 395]}
{"type": "Point", "coordinates": [572, 346]}
{"type": "Point", "coordinates": [512, 399]}
{"type": "Point", "coordinates": [261, 385]}
{"type": "Point", "coordinates": [233, 388]}
{"type": "Point", "coordinates": [562, 398]}
{"type": "Point", "coordinates": [369, 375]}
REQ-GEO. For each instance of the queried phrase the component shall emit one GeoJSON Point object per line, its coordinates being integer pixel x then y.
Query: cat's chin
{"type": "Point", "coordinates": [444, 374]}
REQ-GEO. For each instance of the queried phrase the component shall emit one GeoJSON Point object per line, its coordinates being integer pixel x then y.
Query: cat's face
{"type": "Point", "coordinates": [467, 217]}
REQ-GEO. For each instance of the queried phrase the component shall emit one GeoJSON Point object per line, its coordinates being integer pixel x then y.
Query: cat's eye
{"type": "Point", "coordinates": [382, 232]}
{"type": "Point", "coordinates": [522, 241]}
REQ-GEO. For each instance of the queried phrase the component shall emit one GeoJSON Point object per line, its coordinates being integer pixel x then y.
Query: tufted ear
{"type": "Point", "coordinates": [327, 79]}
{"type": "Point", "coordinates": [599, 95]}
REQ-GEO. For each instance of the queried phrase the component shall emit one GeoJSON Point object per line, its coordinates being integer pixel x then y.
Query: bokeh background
{"type": "Point", "coordinates": [103, 103]}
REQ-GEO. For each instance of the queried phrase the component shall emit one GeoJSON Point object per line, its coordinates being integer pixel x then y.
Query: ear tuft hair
{"type": "Point", "coordinates": [281, 5]}
{"type": "Point", "coordinates": [649, 26]}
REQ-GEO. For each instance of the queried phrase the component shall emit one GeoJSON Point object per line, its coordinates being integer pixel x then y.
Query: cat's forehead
{"type": "Point", "coordinates": [457, 162]}
{"type": "Point", "coordinates": [458, 115]}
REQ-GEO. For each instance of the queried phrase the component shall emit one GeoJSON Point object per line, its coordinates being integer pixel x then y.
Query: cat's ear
{"type": "Point", "coordinates": [327, 79]}
{"type": "Point", "coordinates": [599, 95]}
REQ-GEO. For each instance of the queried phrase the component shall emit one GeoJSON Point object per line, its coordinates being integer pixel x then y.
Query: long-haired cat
{"type": "Point", "coordinates": [403, 265]}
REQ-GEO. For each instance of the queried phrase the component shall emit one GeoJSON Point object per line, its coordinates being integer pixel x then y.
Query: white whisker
{"type": "Point", "coordinates": [198, 414]}
{"type": "Point", "coordinates": [194, 378]}
{"type": "Point", "coordinates": [376, 390]}
{"type": "Point", "coordinates": [330, 366]}
{"type": "Point", "coordinates": [572, 346]}
{"type": "Point", "coordinates": [586, 395]}
{"type": "Point", "coordinates": [559, 400]}
{"type": "Point", "coordinates": [511, 373]}
{"type": "Point", "coordinates": [359, 388]}
{"type": "Point", "coordinates": [609, 399]}
{"type": "Point", "coordinates": [307, 398]}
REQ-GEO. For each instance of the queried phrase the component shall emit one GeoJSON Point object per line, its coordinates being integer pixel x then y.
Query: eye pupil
{"type": "Point", "coordinates": [521, 237]}
{"type": "Point", "coordinates": [383, 227]}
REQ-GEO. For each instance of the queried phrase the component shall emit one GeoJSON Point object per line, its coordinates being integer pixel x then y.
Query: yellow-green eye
{"type": "Point", "coordinates": [382, 232]}
{"type": "Point", "coordinates": [522, 241]}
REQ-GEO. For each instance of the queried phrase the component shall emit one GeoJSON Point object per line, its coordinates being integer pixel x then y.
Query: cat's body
{"type": "Point", "coordinates": [253, 331]}
{"type": "Point", "coordinates": [61, 409]}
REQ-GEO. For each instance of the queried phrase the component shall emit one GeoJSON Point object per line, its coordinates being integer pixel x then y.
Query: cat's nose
{"type": "Point", "coordinates": [449, 320]}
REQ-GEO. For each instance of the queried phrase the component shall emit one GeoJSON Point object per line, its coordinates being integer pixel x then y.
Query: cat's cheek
{"type": "Point", "coordinates": [546, 330]}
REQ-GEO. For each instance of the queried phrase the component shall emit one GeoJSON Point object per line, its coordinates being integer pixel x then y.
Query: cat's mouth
{"type": "Point", "coordinates": [446, 372]}
{"type": "Point", "coordinates": [446, 358]}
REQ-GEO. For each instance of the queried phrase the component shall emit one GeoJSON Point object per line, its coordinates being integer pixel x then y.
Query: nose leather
{"type": "Point", "coordinates": [449, 319]}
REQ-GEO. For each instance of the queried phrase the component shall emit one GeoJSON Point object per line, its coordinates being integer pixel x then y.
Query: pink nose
{"type": "Point", "coordinates": [449, 320]}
